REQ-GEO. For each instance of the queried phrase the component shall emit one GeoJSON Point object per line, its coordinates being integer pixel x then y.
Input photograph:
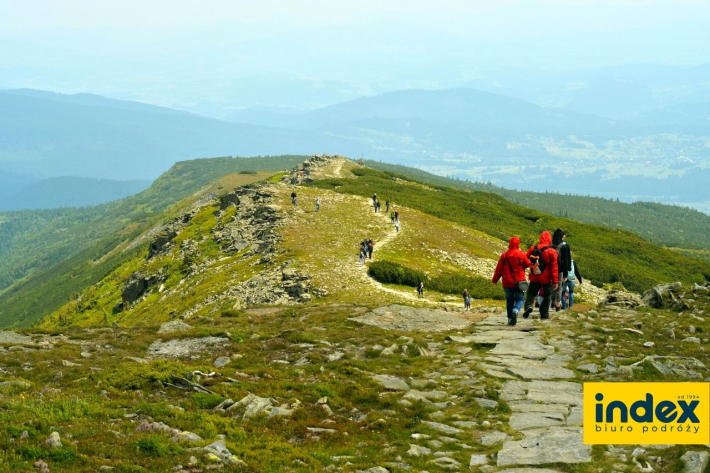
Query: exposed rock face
{"type": "Point", "coordinates": [160, 244]}
{"type": "Point", "coordinates": [174, 326]}
{"type": "Point", "coordinates": [556, 445]}
{"type": "Point", "coordinates": [184, 347]}
{"type": "Point", "coordinates": [695, 462]}
{"type": "Point", "coordinates": [228, 200]}
{"type": "Point", "coordinates": [302, 172]}
{"type": "Point", "coordinates": [663, 295]}
{"type": "Point", "coordinates": [399, 317]}
{"type": "Point", "coordinates": [623, 299]}
{"type": "Point", "coordinates": [138, 284]}
{"type": "Point", "coordinates": [10, 337]}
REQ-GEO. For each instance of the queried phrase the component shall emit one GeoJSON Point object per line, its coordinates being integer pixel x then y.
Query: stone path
{"type": "Point", "coordinates": [546, 408]}
{"type": "Point", "coordinates": [544, 428]}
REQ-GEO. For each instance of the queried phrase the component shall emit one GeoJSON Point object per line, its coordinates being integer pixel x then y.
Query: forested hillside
{"type": "Point", "coordinates": [666, 225]}
{"type": "Point", "coordinates": [45, 252]}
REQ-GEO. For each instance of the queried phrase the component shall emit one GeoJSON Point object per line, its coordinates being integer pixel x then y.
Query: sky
{"type": "Point", "coordinates": [182, 53]}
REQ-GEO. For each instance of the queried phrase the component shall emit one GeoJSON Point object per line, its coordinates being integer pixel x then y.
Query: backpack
{"type": "Point", "coordinates": [570, 275]}
{"type": "Point", "coordinates": [537, 262]}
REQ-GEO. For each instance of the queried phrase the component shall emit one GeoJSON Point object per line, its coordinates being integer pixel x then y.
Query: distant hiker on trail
{"type": "Point", "coordinates": [374, 198]}
{"type": "Point", "coordinates": [396, 215]}
{"type": "Point", "coordinates": [387, 204]}
{"type": "Point", "coordinates": [568, 286]}
{"type": "Point", "coordinates": [293, 199]}
{"type": "Point", "coordinates": [392, 216]}
{"type": "Point", "coordinates": [466, 300]}
{"type": "Point", "coordinates": [370, 248]}
{"type": "Point", "coordinates": [420, 289]}
{"type": "Point", "coordinates": [396, 225]}
{"type": "Point", "coordinates": [564, 265]}
{"type": "Point", "coordinates": [543, 274]}
{"type": "Point", "coordinates": [362, 254]}
{"type": "Point", "coordinates": [318, 204]}
{"type": "Point", "coordinates": [511, 267]}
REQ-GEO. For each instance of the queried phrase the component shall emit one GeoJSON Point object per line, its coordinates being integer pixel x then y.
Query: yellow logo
{"type": "Point", "coordinates": [646, 413]}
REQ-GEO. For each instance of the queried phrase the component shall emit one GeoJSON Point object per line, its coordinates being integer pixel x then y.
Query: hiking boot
{"type": "Point", "coordinates": [513, 320]}
{"type": "Point", "coordinates": [544, 317]}
{"type": "Point", "coordinates": [527, 312]}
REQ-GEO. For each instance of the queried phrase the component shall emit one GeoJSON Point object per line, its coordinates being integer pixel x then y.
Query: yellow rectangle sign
{"type": "Point", "coordinates": [646, 413]}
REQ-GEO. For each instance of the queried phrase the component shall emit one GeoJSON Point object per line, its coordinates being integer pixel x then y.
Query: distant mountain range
{"type": "Point", "coordinates": [69, 192]}
{"type": "Point", "coordinates": [460, 132]}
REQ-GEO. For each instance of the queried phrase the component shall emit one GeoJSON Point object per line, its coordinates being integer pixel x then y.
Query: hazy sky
{"type": "Point", "coordinates": [181, 53]}
{"type": "Point", "coordinates": [487, 18]}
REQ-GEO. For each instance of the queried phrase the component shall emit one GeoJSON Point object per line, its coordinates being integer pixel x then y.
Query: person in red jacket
{"type": "Point", "coordinates": [511, 267]}
{"type": "Point", "coordinates": [547, 280]}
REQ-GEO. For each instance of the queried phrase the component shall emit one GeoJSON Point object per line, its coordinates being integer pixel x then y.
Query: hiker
{"type": "Point", "coordinates": [387, 205]}
{"type": "Point", "coordinates": [362, 254]}
{"type": "Point", "coordinates": [572, 278]}
{"type": "Point", "coordinates": [543, 275]}
{"type": "Point", "coordinates": [392, 216]}
{"type": "Point", "coordinates": [396, 225]}
{"type": "Point", "coordinates": [370, 247]}
{"type": "Point", "coordinates": [564, 265]}
{"type": "Point", "coordinates": [374, 198]}
{"type": "Point", "coordinates": [466, 300]}
{"type": "Point", "coordinates": [318, 204]}
{"type": "Point", "coordinates": [511, 267]}
{"type": "Point", "coordinates": [420, 289]}
{"type": "Point", "coordinates": [293, 199]}
{"type": "Point", "coordinates": [396, 215]}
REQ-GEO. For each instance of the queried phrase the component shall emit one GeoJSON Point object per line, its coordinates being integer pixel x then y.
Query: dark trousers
{"type": "Point", "coordinates": [533, 290]}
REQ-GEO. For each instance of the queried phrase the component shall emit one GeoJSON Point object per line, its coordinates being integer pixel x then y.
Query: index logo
{"type": "Point", "coordinates": [646, 413]}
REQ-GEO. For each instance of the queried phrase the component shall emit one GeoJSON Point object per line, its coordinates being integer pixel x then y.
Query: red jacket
{"type": "Point", "coordinates": [549, 256]}
{"type": "Point", "coordinates": [518, 262]}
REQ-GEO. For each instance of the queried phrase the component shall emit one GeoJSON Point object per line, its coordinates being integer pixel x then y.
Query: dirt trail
{"type": "Point", "coordinates": [361, 270]}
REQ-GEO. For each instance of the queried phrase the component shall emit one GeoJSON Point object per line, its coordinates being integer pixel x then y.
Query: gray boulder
{"type": "Point", "coordinates": [695, 462]}
{"type": "Point", "coordinates": [657, 296]}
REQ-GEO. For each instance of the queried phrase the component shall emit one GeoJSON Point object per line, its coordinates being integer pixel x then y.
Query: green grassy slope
{"type": "Point", "coordinates": [604, 255]}
{"type": "Point", "coordinates": [45, 254]}
{"type": "Point", "coordinates": [661, 224]}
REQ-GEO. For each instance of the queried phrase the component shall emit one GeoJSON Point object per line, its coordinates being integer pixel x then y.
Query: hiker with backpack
{"type": "Point", "coordinates": [318, 204]}
{"type": "Point", "coordinates": [543, 275]}
{"type": "Point", "coordinates": [387, 205]}
{"type": "Point", "coordinates": [293, 200]}
{"type": "Point", "coordinates": [392, 216]}
{"type": "Point", "coordinates": [396, 215]}
{"type": "Point", "coordinates": [569, 285]}
{"type": "Point", "coordinates": [362, 254]}
{"type": "Point", "coordinates": [370, 247]}
{"type": "Point", "coordinates": [511, 268]}
{"type": "Point", "coordinates": [420, 289]}
{"type": "Point", "coordinates": [396, 225]}
{"type": "Point", "coordinates": [466, 300]}
{"type": "Point", "coordinates": [564, 265]}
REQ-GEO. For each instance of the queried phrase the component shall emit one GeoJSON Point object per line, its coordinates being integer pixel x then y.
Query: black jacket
{"type": "Point", "coordinates": [564, 260]}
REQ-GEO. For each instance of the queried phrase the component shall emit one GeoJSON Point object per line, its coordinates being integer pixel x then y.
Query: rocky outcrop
{"type": "Point", "coordinates": [138, 283]}
{"type": "Point", "coordinates": [160, 244]}
{"type": "Point", "coordinates": [623, 299]}
{"type": "Point", "coordinates": [661, 295]}
{"type": "Point", "coordinates": [304, 171]}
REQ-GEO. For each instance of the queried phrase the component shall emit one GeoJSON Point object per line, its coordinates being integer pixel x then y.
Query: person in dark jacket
{"type": "Point", "coordinates": [548, 280]}
{"type": "Point", "coordinates": [511, 267]}
{"type": "Point", "coordinates": [564, 265]}
{"type": "Point", "coordinates": [568, 287]}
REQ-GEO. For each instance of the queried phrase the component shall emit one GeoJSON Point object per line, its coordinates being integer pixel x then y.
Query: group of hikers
{"type": "Point", "coordinates": [367, 246]}
{"type": "Point", "coordinates": [394, 215]}
{"type": "Point", "coordinates": [553, 272]}
{"type": "Point", "coordinates": [553, 275]}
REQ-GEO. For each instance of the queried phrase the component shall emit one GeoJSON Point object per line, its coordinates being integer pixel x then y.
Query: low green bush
{"type": "Point", "coordinates": [388, 272]}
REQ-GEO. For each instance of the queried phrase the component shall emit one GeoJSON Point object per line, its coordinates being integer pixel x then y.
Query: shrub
{"type": "Point", "coordinates": [388, 272]}
{"type": "Point", "coordinates": [392, 273]}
